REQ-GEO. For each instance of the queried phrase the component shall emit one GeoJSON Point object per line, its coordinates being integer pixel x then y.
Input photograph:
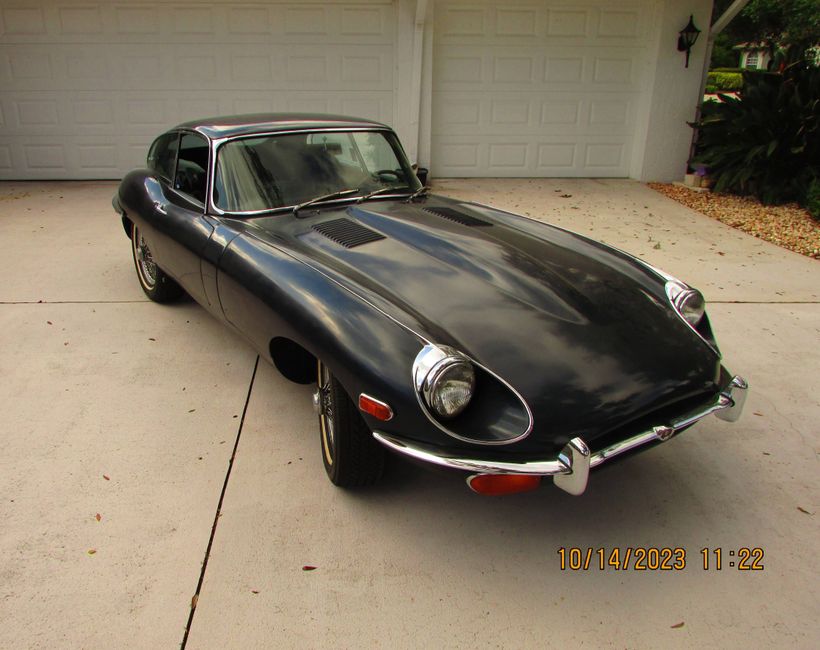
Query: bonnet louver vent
{"type": "Point", "coordinates": [347, 233]}
{"type": "Point", "coordinates": [458, 217]}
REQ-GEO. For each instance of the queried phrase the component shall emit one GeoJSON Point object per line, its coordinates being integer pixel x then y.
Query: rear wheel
{"type": "Point", "coordinates": [351, 455]}
{"type": "Point", "coordinates": [156, 284]}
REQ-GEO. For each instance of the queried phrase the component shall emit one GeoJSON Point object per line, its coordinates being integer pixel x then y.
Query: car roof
{"type": "Point", "coordinates": [238, 125]}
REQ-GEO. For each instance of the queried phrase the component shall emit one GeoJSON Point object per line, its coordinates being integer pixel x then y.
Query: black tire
{"type": "Point", "coordinates": [351, 455]}
{"type": "Point", "coordinates": [156, 284]}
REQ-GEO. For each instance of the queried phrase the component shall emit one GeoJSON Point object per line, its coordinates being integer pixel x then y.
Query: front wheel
{"type": "Point", "coordinates": [156, 284]}
{"type": "Point", "coordinates": [351, 455]}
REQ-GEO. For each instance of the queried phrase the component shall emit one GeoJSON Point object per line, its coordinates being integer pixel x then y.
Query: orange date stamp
{"type": "Point", "coordinates": [651, 558]}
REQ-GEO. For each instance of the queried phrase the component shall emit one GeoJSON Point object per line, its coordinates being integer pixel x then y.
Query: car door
{"type": "Point", "coordinates": [181, 228]}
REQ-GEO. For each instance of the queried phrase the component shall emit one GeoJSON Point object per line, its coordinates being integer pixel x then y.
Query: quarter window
{"type": "Point", "coordinates": [192, 165]}
{"type": "Point", "coordinates": [162, 157]}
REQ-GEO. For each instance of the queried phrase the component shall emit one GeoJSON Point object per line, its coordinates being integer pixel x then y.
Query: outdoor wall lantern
{"type": "Point", "coordinates": [687, 37]}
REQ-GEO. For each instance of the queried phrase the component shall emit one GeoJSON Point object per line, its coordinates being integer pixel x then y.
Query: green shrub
{"type": "Point", "coordinates": [725, 81]}
{"type": "Point", "coordinates": [766, 141]}
{"type": "Point", "coordinates": [738, 70]}
{"type": "Point", "coordinates": [813, 199]}
{"type": "Point", "coordinates": [710, 89]}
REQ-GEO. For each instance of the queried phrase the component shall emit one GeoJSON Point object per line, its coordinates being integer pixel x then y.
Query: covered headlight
{"type": "Point", "coordinates": [688, 302]}
{"type": "Point", "coordinates": [445, 378]}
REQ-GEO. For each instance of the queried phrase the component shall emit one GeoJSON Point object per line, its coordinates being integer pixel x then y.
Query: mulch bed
{"type": "Point", "coordinates": [789, 226]}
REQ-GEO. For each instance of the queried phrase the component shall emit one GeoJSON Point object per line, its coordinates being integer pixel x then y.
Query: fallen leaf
{"type": "Point", "coordinates": [804, 511]}
{"type": "Point", "coordinates": [566, 196]}
{"type": "Point", "coordinates": [760, 415]}
{"type": "Point", "coordinates": [91, 551]}
{"type": "Point", "coordinates": [107, 478]}
{"type": "Point", "coordinates": [192, 410]}
{"type": "Point", "coordinates": [766, 453]}
{"type": "Point", "coordinates": [657, 246]}
{"type": "Point", "coordinates": [254, 591]}
{"type": "Point", "coordinates": [151, 339]}
{"type": "Point", "coordinates": [677, 626]}
{"type": "Point", "coordinates": [194, 600]}
{"type": "Point", "coordinates": [66, 343]}
{"type": "Point", "coordinates": [308, 567]}
{"type": "Point", "coordinates": [49, 322]}
{"type": "Point", "coordinates": [721, 253]}
{"type": "Point", "coordinates": [98, 516]}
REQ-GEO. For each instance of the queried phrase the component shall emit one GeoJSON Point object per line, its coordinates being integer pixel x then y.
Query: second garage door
{"type": "Point", "coordinates": [536, 89]}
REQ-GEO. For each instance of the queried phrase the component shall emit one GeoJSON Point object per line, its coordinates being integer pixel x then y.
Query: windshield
{"type": "Point", "coordinates": [276, 171]}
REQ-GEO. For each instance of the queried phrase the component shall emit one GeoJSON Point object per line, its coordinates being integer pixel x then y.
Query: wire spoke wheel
{"type": "Point", "coordinates": [326, 413]}
{"type": "Point", "coordinates": [146, 267]}
{"type": "Point", "coordinates": [351, 456]}
{"type": "Point", "coordinates": [156, 284]}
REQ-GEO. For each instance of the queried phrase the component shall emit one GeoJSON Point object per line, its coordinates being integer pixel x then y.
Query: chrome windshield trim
{"type": "Point", "coordinates": [728, 404]}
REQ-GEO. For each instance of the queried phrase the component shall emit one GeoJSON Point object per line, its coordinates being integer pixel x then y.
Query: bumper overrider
{"type": "Point", "coordinates": [570, 469]}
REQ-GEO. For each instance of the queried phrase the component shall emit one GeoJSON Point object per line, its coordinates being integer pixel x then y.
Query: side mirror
{"type": "Point", "coordinates": [421, 173]}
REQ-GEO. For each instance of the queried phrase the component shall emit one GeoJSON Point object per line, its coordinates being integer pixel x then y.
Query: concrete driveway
{"type": "Point", "coordinates": [149, 464]}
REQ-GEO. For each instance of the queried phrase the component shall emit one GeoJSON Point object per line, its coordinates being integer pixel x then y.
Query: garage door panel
{"type": "Point", "coordinates": [533, 22]}
{"type": "Point", "coordinates": [536, 88]}
{"type": "Point", "coordinates": [514, 156]}
{"type": "Point", "coordinates": [113, 67]}
{"type": "Point", "coordinates": [551, 113]}
{"type": "Point", "coordinates": [511, 68]}
{"type": "Point", "coordinates": [365, 21]}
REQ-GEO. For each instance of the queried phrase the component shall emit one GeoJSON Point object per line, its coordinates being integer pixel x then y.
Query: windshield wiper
{"type": "Point", "coordinates": [381, 190]}
{"type": "Point", "coordinates": [319, 199]}
{"type": "Point", "coordinates": [422, 190]}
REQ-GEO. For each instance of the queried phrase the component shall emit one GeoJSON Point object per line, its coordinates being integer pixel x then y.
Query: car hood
{"type": "Point", "coordinates": [583, 332]}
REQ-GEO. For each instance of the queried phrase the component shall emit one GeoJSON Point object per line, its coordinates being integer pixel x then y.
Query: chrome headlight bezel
{"type": "Point", "coordinates": [434, 367]}
{"type": "Point", "coordinates": [689, 303]}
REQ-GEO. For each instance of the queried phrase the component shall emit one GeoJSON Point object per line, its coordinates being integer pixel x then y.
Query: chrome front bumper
{"type": "Point", "coordinates": [570, 470]}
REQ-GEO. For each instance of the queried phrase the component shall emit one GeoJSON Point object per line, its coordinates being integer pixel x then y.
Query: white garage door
{"type": "Point", "coordinates": [536, 88]}
{"type": "Point", "coordinates": [86, 85]}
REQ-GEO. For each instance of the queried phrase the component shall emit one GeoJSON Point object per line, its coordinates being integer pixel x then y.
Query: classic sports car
{"type": "Point", "coordinates": [452, 332]}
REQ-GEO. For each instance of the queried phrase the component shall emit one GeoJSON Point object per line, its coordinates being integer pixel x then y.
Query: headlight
{"type": "Point", "coordinates": [689, 303]}
{"type": "Point", "coordinates": [445, 378]}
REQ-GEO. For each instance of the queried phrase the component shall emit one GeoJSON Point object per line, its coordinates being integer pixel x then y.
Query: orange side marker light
{"type": "Point", "coordinates": [374, 407]}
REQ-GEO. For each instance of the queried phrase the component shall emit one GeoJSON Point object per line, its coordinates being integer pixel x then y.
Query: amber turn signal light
{"type": "Point", "coordinates": [501, 484]}
{"type": "Point", "coordinates": [374, 407]}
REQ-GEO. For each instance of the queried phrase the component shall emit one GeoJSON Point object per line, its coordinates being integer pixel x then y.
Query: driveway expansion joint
{"type": "Point", "coordinates": [195, 598]}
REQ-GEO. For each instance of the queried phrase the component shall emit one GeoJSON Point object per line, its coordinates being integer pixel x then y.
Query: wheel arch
{"type": "Point", "coordinates": [127, 224]}
{"type": "Point", "coordinates": [293, 361]}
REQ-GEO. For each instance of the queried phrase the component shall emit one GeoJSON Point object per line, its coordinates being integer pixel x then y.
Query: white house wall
{"type": "Point", "coordinates": [672, 93]}
{"type": "Point", "coordinates": [473, 87]}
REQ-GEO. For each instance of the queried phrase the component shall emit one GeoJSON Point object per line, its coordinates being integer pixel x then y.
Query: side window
{"type": "Point", "coordinates": [192, 165]}
{"type": "Point", "coordinates": [162, 157]}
